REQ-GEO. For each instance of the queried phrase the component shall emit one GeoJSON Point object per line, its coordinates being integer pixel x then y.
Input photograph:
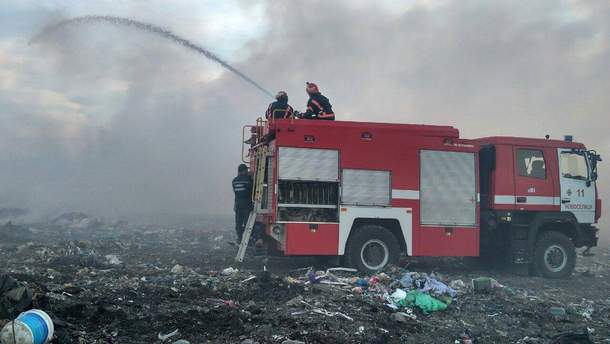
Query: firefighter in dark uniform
{"type": "Point", "coordinates": [242, 187]}
{"type": "Point", "coordinates": [279, 108]}
{"type": "Point", "coordinates": [318, 106]}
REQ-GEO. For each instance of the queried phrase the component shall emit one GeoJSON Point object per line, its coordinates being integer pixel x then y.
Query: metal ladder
{"type": "Point", "coordinates": [257, 196]}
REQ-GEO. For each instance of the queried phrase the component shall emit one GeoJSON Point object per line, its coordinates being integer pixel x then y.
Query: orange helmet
{"type": "Point", "coordinates": [312, 88]}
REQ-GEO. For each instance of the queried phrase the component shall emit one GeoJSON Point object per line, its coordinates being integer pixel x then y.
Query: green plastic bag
{"type": "Point", "coordinates": [425, 302]}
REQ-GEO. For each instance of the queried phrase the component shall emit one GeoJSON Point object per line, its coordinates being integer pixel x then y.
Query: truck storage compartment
{"type": "Point", "coordinates": [307, 201]}
{"type": "Point", "coordinates": [366, 187]}
{"type": "Point", "coordinates": [308, 164]}
{"type": "Point", "coordinates": [448, 194]}
{"type": "Point", "coordinates": [312, 239]}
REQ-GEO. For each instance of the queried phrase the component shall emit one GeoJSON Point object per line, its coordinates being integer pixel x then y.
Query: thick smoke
{"type": "Point", "coordinates": [171, 143]}
{"type": "Point", "coordinates": [166, 151]}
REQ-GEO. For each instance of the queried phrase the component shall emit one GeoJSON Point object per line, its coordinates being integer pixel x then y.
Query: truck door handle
{"type": "Point", "coordinates": [521, 199]}
{"type": "Point", "coordinates": [564, 201]}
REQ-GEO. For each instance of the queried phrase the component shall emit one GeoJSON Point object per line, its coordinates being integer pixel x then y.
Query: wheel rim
{"type": "Point", "coordinates": [374, 254]}
{"type": "Point", "coordinates": [555, 258]}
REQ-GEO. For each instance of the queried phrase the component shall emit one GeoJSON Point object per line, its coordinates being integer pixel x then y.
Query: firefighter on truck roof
{"type": "Point", "coordinates": [318, 106]}
{"type": "Point", "coordinates": [279, 108]}
{"type": "Point", "coordinates": [242, 187]}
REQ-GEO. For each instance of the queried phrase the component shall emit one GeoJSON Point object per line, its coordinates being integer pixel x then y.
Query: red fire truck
{"type": "Point", "coordinates": [369, 192]}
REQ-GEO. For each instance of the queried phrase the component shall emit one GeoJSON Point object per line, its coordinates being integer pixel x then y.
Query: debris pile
{"type": "Point", "coordinates": [75, 220]}
{"type": "Point", "coordinates": [181, 285]}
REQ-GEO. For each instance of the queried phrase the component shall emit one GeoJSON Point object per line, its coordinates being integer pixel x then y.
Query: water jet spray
{"type": "Point", "coordinates": [150, 28]}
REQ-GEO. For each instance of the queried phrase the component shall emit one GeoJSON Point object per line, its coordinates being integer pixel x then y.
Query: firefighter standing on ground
{"type": "Point", "coordinates": [318, 106]}
{"type": "Point", "coordinates": [279, 108]}
{"type": "Point", "coordinates": [242, 187]}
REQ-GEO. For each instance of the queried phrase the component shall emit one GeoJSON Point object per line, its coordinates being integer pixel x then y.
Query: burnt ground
{"type": "Point", "coordinates": [94, 298]}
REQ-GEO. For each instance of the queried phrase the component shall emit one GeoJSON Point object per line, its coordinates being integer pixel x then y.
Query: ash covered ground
{"type": "Point", "coordinates": [121, 283]}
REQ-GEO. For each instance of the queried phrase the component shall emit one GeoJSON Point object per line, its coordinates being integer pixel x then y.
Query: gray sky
{"type": "Point", "coordinates": [117, 122]}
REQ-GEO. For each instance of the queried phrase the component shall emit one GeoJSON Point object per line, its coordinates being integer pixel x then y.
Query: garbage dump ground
{"type": "Point", "coordinates": [120, 283]}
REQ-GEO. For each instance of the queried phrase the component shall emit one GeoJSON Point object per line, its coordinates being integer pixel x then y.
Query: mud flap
{"type": "Point", "coordinates": [520, 252]}
{"type": "Point", "coordinates": [519, 245]}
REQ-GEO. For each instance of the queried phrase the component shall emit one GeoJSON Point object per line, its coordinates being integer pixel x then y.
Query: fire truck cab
{"type": "Point", "coordinates": [369, 192]}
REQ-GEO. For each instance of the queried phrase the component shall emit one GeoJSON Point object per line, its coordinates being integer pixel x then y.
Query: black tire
{"type": "Point", "coordinates": [554, 255]}
{"type": "Point", "coordinates": [374, 242]}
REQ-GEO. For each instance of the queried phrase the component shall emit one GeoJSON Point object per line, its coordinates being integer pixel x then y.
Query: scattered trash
{"type": "Point", "coordinates": [404, 317]}
{"type": "Point", "coordinates": [398, 317]}
{"type": "Point", "coordinates": [425, 302]}
{"type": "Point", "coordinates": [457, 284]}
{"type": "Point", "coordinates": [398, 295]}
{"type": "Point", "coordinates": [164, 337]}
{"type": "Point", "coordinates": [31, 327]}
{"type": "Point", "coordinates": [341, 269]}
{"type": "Point", "coordinates": [229, 271]}
{"type": "Point", "coordinates": [383, 276]}
{"type": "Point", "coordinates": [362, 283]}
{"type": "Point", "coordinates": [113, 259]}
{"type": "Point", "coordinates": [557, 312]}
{"type": "Point", "coordinates": [292, 280]}
{"type": "Point", "coordinates": [357, 290]}
{"type": "Point", "coordinates": [313, 277]}
{"type": "Point", "coordinates": [323, 312]}
{"type": "Point", "coordinates": [466, 338]}
{"type": "Point", "coordinates": [409, 314]}
{"type": "Point", "coordinates": [332, 314]}
{"type": "Point", "coordinates": [71, 277]}
{"type": "Point", "coordinates": [482, 284]}
{"type": "Point", "coordinates": [426, 283]}
{"type": "Point", "coordinates": [15, 297]}
{"type": "Point", "coordinates": [248, 279]}
{"type": "Point", "coordinates": [177, 269]}
{"type": "Point", "coordinates": [588, 311]}
{"type": "Point", "coordinates": [220, 302]}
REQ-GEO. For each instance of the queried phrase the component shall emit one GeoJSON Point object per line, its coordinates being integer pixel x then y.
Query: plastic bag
{"type": "Point", "coordinates": [425, 302]}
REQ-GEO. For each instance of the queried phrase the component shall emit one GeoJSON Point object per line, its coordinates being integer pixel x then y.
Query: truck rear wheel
{"type": "Point", "coordinates": [554, 255]}
{"type": "Point", "coordinates": [371, 248]}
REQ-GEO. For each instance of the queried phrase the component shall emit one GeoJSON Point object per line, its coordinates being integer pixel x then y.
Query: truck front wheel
{"type": "Point", "coordinates": [371, 248]}
{"type": "Point", "coordinates": [554, 255]}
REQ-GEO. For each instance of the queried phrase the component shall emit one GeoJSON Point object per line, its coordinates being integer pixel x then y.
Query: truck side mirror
{"type": "Point", "coordinates": [592, 158]}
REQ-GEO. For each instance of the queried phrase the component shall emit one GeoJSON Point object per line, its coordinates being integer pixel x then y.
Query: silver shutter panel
{"type": "Point", "coordinates": [365, 187]}
{"type": "Point", "coordinates": [447, 190]}
{"type": "Point", "coordinates": [308, 164]}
